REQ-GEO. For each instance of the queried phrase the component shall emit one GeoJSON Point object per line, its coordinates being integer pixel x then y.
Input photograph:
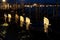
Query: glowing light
{"type": "Point", "coordinates": [34, 4]}
{"type": "Point", "coordinates": [4, 32]}
{"type": "Point", "coordinates": [3, 0]}
{"type": "Point", "coordinates": [27, 5]}
{"type": "Point", "coordinates": [46, 24]}
{"type": "Point", "coordinates": [46, 21]}
{"type": "Point", "coordinates": [47, 5]}
{"type": "Point", "coordinates": [27, 23]}
{"type": "Point", "coordinates": [21, 21]}
{"type": "Point", "coordinates": [9, 17]}
{"type": "Point", "coordinates": [16, 17]}
{"type": "Point", "coordinates": [5, 15]}
{"type": "Point", "coordinates": [31, 6]}
{"type": "Point", "coordinates": [27, 20]}
{"type": "Point", "coordinates": [22, 18]}
{"type": "Point", "coordinates": [41, 5]}
{"type": "Point", "coordinates": [5, 24]}
{"type": "Point", "coordinates": [10, 6]}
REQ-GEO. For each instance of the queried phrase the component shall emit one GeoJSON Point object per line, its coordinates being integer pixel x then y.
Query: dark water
{"type": "Point", "coordinates": [15, 32]}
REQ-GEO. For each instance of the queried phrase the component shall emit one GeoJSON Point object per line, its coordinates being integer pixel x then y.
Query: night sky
{"type": "Point", "coordinates": [36, 1]}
